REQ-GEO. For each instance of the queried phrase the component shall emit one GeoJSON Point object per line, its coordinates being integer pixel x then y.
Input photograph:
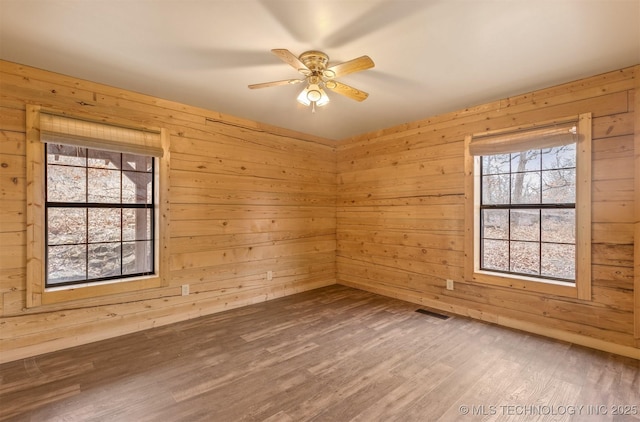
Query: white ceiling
{"type": "Point", "coordinates": [431, 56]}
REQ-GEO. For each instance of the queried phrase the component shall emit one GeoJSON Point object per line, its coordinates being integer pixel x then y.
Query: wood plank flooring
{"type": "Point", "coordinates": [332, 354]}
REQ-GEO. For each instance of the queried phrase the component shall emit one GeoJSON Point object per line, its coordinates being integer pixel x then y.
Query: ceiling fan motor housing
{"type": "Point", "coordinates": [316, 61]}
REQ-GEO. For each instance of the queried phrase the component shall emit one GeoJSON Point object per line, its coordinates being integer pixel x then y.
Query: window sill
{"type": "Point", "coordinates": [529, 284]}
{"type": "Point", "coordinates": [54, 295]}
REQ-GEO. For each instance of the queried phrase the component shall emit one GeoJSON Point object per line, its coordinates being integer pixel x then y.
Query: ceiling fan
{"type": "Point", "coordinates": [313, 65]}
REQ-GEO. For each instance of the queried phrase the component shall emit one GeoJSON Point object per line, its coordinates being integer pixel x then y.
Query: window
{"type": "Point", "coordinates": [97, 198]}
{"type": "Point", "coordinates": [527, 212]}
{"type": "Point", "coordinates": [99, 215]}
{"type": "Point", "coordinates": [528, 207]}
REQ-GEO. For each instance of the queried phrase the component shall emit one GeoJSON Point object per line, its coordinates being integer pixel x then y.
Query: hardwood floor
{"type": "Point", "coordinates": [333, 354]}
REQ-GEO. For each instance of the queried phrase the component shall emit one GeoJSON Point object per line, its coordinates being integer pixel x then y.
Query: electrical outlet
{"type": "Point", "coordinates": [449, 284]}
{"type": "Point", "coordinates": [185, 290]}
{"type": "Point", "coordinates": [269, 275]}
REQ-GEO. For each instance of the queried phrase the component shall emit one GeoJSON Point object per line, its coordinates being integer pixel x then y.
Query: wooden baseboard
{"type": "Point", "coordinates": [562, 335]}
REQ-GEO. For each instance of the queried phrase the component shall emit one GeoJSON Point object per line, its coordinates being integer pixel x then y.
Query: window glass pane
{"type": "Point", "coordinates": [559, 261]}
{"type": "Point", "coordinates": [495, 255]}
{"type": "Point", "coordinates": [136, 224]}
{"type": "Point", "coordinates": [104, 225]}
{"type": "Point", "coordinates": [66, 155]}
{"type": "Point", "coordinates": [137, 162]}
{"type": "Point", "coordinates": [559, 157]}
{"type": "Point", "coordinates": [137, 257]}
{"type": "Point", "coordinates": [525, 257]}
{"type": "Point", "coordinates": [559, 226]}
{"type": "Point", "coordinates": [558, 186]}
{"type": "Point", "coordinates": [495, 224]}
{"type": "Point", "coordinates": [66, 263]}
{"type": "Point", "coordinates": [104, 260]}
{"type": "Point", "coordinates": [87, 243]}
{"type": "Point", "coordinates": [495, 189]}
{"type": "Point", "coordinates": [66, 226]}
{"type": "Point", "coordinates": [104, 185]}
{"type": "Point", "coordinates": [525, 161]}
{"type": "Point", "coordinates": [104, 159]}
{"type": "Point", "coordinates": [525, 225]}
{"type": "Point", "coordinates": [496, 164]}
{"type": "Point", "coordinates": [527, 212]}
{"type": "Point", "coordinates": [525, 188]}
{"type": "Point", "coordinates": [66, 184]}
{"type": "Point", "coordinates": [136, 188]}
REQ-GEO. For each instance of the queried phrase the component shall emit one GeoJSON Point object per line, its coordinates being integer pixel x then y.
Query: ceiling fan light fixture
{"type": "Point", "coordinates": [302, 97]}
{"type": "Point", "coordinates": [324, 98]}
{"type": "Point", "coordinates": [313, 94]}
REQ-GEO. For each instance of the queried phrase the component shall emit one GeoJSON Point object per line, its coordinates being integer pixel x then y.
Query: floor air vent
{"type": "Point", "coordinates": [433, 314]}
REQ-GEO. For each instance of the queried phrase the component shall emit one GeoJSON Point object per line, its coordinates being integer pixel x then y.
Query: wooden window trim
{"type": "Point", "coordinates": [582, 287]}
{"type": "Point", "coordinates": [37, 294]}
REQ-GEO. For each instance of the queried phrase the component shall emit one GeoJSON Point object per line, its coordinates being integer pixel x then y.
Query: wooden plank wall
{"type": "Point", "coordinates": [401, 213]}
{"type": "Point", "coordinates": [245, 199]}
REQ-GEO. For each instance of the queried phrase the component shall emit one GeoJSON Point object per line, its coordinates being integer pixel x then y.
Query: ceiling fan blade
{"type": "Point", "coordinates": [293, 61]}
{"type": "Point", "coordinates": [276, 83]}
{"type": "Point", "coordinates": [346, 90]}
{"type": "Point", "coordinates": [355, 65]}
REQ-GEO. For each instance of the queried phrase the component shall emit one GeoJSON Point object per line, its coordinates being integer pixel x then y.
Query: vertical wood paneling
{"type": "Point", "coordinates": [244, 198]}
{"type": "Point", "coordinates": [379, 173]}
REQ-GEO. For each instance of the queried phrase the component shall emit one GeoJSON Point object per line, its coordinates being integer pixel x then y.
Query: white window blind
{"type": "Point", "coordinates": [64, 130]}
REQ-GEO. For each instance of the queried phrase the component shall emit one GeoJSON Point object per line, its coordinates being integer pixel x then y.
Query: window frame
{"type": "Point", "coordinates": [581, 289]}
{"type": "Point", "coordinates": [37, 292]}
